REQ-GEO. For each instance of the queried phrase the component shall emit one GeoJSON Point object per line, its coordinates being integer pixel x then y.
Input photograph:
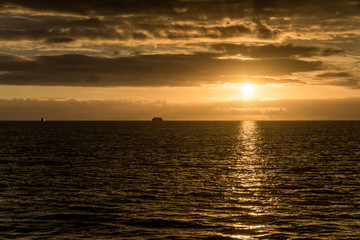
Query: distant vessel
{"type": "Point", "coordinates": [157, 119]}
{"type": "Point", "coordinates": [43, 119]}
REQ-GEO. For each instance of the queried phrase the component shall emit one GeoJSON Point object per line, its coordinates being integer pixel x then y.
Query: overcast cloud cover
{"type": "Point", "coordinates": [180, 43]}
{"type": "Point", "coordinates": [112, 38]}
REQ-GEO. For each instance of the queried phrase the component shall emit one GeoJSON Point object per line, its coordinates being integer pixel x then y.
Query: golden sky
{"type": "Point", "coordinates": [179, 59]}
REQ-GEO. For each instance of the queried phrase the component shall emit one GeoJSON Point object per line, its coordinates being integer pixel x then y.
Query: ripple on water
{"type": "Point", "coordinates": [180, 180]}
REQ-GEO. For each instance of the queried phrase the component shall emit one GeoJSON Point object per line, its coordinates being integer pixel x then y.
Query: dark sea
{"type": "Point", "coordinates": [180, 180]}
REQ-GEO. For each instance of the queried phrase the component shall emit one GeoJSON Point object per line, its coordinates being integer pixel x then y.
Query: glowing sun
{"type": "Point", "coordinates": [248, 90]}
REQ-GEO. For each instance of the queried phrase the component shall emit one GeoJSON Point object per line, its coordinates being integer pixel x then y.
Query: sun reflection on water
{"type": "Point", "coordinates": [248, 141]}
{"type": "Point", "coordinates": [247, 181]}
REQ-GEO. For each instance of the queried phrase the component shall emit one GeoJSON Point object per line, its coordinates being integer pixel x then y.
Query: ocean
{"type": "Point", "coordinates": [180, 180]}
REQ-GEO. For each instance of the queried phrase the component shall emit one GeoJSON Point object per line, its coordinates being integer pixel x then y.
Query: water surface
{"type": "Point", "coordinates": [180, 180]}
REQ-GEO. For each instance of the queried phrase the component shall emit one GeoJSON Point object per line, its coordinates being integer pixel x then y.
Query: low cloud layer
{"type": "Point", "coordinates": [142, 70]}
{"type": "Point", "coordinates": [326, 109]}
{"type": "Point", "coordinates": [212, 8]}
{"type": "Point", "coordinates": [272, 51]}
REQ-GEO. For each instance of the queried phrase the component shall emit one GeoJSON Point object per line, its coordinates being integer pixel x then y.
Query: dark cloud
{"type": "Point", "coordinates": [209, 8]}
{"type": "Point", "coordinates": [287, 109]}
{"type": "Point", "coordinates": [87, 7]}
{"type": "Point", "coordinates": [353, 83]}
{"type": "Point", "coordinates": [120, 28]}
{"type": "Point", "coordinates": [37, 28]}
{"type": "Point", "coordinates": [334, 75]}
{"type": "Point", "coordinates": [28, 34]}
{"type": "Point", "coordinates": [59, 40]}
{"type": "Point", "coordinates": [186, 31]}
{"type": "Point", "coordinates": [160, 27]}
{"type": "Point", "coordinates": [143, 70]}
{"type": "Point", "coordinates": [43, 32]}
{"type": "Point", "coordinates": [265, 32]}
{"type": "Point", "coordinates": [263, 80]}
{"type": "Point", "coordinates": [342, 79]}
{"type": "Point", "coordinates": [272, 51]}
{"type": "Point", "coordinates": [172, 19]}
{"type": "Point", "coordinates": [6, 58]}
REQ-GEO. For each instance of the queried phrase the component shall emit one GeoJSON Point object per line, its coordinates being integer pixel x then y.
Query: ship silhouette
{"type": "Point", "coordinates": [157, 119]}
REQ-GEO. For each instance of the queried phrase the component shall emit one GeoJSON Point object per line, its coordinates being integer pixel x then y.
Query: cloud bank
{"type": "Point", "coordinates": [177, 42]}
{"type": "Point", "coordinates": [287, 109]}
{"type": "Point", "coordinates": [142, 70]}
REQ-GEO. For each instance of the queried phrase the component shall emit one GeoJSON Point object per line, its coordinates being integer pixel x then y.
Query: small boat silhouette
{"type": "Point", "coordinates": [157, 119]}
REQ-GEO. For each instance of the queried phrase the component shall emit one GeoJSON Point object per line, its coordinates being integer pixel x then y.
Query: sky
{"type": "Point", "coordinates": [179, 59]}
